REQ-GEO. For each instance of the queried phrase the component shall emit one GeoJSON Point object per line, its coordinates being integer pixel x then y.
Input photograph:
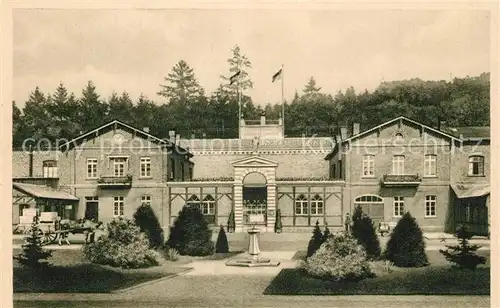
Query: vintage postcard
{"type": "Point", "coordinates": [234, 154]}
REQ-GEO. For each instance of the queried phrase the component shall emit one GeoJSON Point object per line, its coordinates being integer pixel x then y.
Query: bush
{"type": "Point", "coordinates": [406, 246]}
{"type": "Point", "coordinates": [315, 241]}
{"type": "Point", "coordinates": [463, 255]}
{"type": "Point", "coordinates": [32, 255]}
{"type": "Point", "coordinates": [339, 258]}
{"type": "Point", "coordinates": [222, 246]}
{"type": "Point", "coordinates": [277, 224]}
{"type": "Point", "coordinates": [364, 232]}
{"type": "Point", "coordinates": [172, 254]}
{"type": "Point", "coordinates": [124, 246]}
{"type": "Point", "coordinates": [190, 234]}
{"type": "Point", "coordinates": [231, 224]}
{"type": "Point", "coordinates": [147, 221]}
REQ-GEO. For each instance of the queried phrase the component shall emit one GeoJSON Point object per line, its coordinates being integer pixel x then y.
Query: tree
{"type": "Point", "coordinates": [182, 86]}
{"type": "Point", "coordinates": [326, 235]}
{"type": "Point", "coordinates": [277, 224]}
{"type": "Point", "coordinates": [364, 232]}
{"type": "Point", "coordinates": [36, 116]}
{"type": "Point", "coordinates": [145, 218]}
{"type": "Point", "coordinates": [406, 246]}
{"type": "Point", "coordinates": [222, 245]}
{"type": "Point", "coordinates": [120, 108]}
{"type": "Point", "coordinates": [33, 255]}
{"type": "Point", "coordinates": [463, 255]}
{"type": "Point", "coordinates": [315, 241]}
{"type": "Point", "coordinates": [231, 222]}
{"type": "Point", "coordinates": [190, 234]}
{"type": "Point", "coordinates": [92, 111]}
{"type": "Point", "coordinates": [311, 88]}
{"type": "Point", "coordinates": [62, 108]}
{"type": "Point", "coordinates": [238, 63]}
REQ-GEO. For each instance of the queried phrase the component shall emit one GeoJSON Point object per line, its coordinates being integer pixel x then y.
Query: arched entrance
{"type": "Point", "coordinates": [255, 199]}
{"type": "Point", "coordinates": [372, 205]}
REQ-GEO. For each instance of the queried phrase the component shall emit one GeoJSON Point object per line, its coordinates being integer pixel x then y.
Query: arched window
{"type": "Point", "coordinates": [301, 205]}
{"type": "Point", "coordinates": [316, 205]}
{"type": "Point", "coordinates": [399, 136]}
{"type": "Point", "coordinates": [476, 165]}
{"type": "Point", "coordinates": [208, 205]}
{"type": "Point", "coordinates": [369, 199]}
{"type": "Point", "coordinates": [193, 201]}
{"type": "Point", "coordinates": [50, 169]}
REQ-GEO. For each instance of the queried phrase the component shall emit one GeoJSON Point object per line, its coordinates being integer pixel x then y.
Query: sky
{"type": "Point", "coordinates": [133, 50]}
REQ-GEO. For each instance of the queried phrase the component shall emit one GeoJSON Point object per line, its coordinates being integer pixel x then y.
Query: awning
{"type": "Point", "coordinates": [45, 192]}
{"type": "Point", "coordinates": [470, 190]}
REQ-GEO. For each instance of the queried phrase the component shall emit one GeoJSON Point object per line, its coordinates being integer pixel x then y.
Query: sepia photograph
{"type": "Point", "coordinates": [238, 155]}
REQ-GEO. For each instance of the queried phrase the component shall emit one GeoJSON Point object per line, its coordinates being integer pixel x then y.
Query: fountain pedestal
{"type": "Point", "coordinates": [253, 259]}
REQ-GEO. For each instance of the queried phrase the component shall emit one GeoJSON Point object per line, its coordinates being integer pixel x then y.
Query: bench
{"type": "Point", "coordinates": [386, 227]}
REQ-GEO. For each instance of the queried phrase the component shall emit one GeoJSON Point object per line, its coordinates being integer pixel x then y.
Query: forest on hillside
{"type": "Point", "coordinates": [185, 107]}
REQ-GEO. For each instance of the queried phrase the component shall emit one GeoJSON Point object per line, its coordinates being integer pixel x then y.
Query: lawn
{"type": "Point", "coordinates": [437, 279]}
{"type": "Point", "coordinates": [70, 273]}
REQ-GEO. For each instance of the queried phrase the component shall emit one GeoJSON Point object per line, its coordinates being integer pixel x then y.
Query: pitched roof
{"type": "Point", "coordinates": [470, 132]}
{"type": "Point", "coordinates": [45, 192]}
{"type": "Point", "coordinates": [390, 122]}
{"type": "Point", "coordinates": [116, 123]}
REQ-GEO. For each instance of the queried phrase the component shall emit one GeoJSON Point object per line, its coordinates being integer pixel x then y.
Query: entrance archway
{"type": "Point", "coordinates": [371, 205]}
{"type": "Point", "coordinates": [255, 199]}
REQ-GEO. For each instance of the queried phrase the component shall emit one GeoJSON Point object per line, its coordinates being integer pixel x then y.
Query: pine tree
{"type": "Point", "coordinates": [33, 255]}
{"type": "Point", "coordinates": [364, 232]}
{"type": "Point", "coordinates": [311, 88]}
{"type": "Point", "coordinates": [315, 241]}
{"type": "Point", "coordinates": [92, 111]}
{"type": "Point", "coordinates": [406, 246]}
{"type": "Point", "coordinates": [146, 220]}
{"type": "Point", "coordinates": [182, 86]}
{"type": "Point", "coordinates": [326, 235]}
{"type": "Point", "coordinates": [222, 245]}
{"type": "Point", "coordinates": [190, 234]}
{"type": "Point", "coordinates": [238, 62]}
{"type": "Point", "coordinates": [463, 255]}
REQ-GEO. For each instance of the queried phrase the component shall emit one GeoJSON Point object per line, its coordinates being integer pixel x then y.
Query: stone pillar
{"type": "Point", "coordinates": [238, 207]}
{"type": "Point", "coordinates": [271, 207]}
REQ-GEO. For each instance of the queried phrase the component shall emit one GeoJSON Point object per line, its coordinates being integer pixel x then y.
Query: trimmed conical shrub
{"type": "Point", "coordinates": [326, 235]}
{"type": "Point", "coordinates": [145, 218]}
{"type": "Point", "coordinates": [221, 245]}
{"type": "Point", "coordinates": [406, 246]}
{"type": "Point", "coordinates": [364, 232]}
{"type": "Point", "coordinates": [463, 255]}
{"type": "Point", "coordinates": [190, 233]}
{"type": "Point", "coordinates": [315, 241]}
{"type": "Point", "coordinates": [231, 224]}
{"type": "Point", "coordinates": [277, 224]}
{"type": "Point", "coordinates": [33, 255]}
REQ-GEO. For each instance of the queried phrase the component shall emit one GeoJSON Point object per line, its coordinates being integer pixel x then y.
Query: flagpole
{"type": "Point", "coordinates": [282, 100]}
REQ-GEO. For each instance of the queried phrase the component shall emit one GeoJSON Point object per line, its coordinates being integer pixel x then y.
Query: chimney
{"type": "Point", "coordinates": [355, 129]}
{"type": "Point", "coordinates": [263, 119]}
{"type": "Point", "coordinates": [343, 132]}
{"type": "Point", "coordinates": [171, 135]}
{"type": "Point", "coordinates": [146, 129]}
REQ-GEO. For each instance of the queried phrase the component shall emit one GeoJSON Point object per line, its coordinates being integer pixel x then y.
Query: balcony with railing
{"type": "Point", "coordinates": [399, 180]}
{"type": "Point", "coordinates": [115, 181]}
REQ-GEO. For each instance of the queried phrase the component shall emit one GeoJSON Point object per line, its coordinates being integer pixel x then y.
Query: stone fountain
{"type": "Point", "coordinates": [253, 259]}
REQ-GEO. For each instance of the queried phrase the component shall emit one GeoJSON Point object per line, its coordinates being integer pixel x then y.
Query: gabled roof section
{"type": "Point", "coordinates": [470, 132]}
{"type": "Point", "coordinates": [44, 192]}
{"type": "Point", "coordinates": [388, 123]}
{"type": "Point", "coordinates": [254, 161]}
{"type": "Point", "coordinates": [118, 124]}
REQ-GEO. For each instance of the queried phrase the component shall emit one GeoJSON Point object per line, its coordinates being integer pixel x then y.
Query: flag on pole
{"type": "Point", "coordinates": [234, 78]}
{"type": "Point", "coordinates": [277, 75]}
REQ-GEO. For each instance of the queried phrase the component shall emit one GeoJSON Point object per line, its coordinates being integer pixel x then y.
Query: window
{"type": "Point", "coordinates": [50, 169]}
{"type": "Point", "coordinates": [118, 208]}
{"type": "Point", "coordinates": [193, 201]}
{"type": "Point", "coordinates": [398, 165]}
{"type": "Point", "coordinates": [430, 206]}
{"type": "Point", "coordinates": [145, 167]}
{"type": "Point", "coordinates": [146, 199]}
{"type": "Point", "coordinates": [208, 205]}
{"type": "Point", "coordinates": [430, 165]}
{"type": "Point", "coordinates": [172, 168]}
{"type": "Point", "coordinates": [476, 165]}
{"type": "Point", "coordinates": [368, 199]}
{"type": "Point", "coordinates": [316, 205]}
{"type": "Point", "coordinates": [92, 168]}
{"type": "Point", "coordinates": [119, 166]}
{"type": "Point", "coordinates": [368, 165]}
{"type": "Point", "coordinates": [301, 205]}
{"type": "Point", "coordinates": [399, 206]}
{"type": "Point", "coordinates": [399, 136]}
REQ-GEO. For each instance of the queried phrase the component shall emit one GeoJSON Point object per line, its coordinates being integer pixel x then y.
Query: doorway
{"type": "Point", "coordinates": [92, 208]}
{"type": "Point", "coordinates": [255, 199]}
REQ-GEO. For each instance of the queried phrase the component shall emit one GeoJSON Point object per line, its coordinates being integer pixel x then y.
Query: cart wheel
{"type": "Point", "coordinates": [27, 230]}
{"type": "Point", "coordinates": [50, 237]}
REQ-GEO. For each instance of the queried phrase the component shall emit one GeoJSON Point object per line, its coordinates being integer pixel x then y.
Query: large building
{"type": "Point", "coordinates": [441, 176]}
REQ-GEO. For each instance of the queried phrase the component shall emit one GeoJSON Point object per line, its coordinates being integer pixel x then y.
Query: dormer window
{"type": "Point", "coordinates": [50, 169]}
